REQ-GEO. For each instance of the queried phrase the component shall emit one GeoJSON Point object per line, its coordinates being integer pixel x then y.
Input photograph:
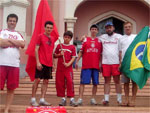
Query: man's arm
{"type": "Point", "coordinates": [101, 51]}
{"type": "Point", "coordinates": [54, 64]}
{"type": "Point", "coordinates": [79, 56]}
{"type": "Point", "coordinates": [59, 54]}
{"type": "Point", "coordinates": [83, 38]}
{"type": "Point", "coordinates": [120, 51]}
{"type": "Point", "coordinates": [70, 62]}
{"type": "Point", "coordinates": [100, 64]}
{"type": "Point", "coordinates": [38, 64]}
{"type": "Point", "coordinates": [120, 58]}
{"type": "Point", "coordinates": [17, 43]}
{"type": "Point", "coordinates": [5, 43]}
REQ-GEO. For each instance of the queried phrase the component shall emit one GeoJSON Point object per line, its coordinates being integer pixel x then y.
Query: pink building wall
{"type": "Point", "coordinates": [29, 18]}
{"type": "Point", "coordinates": [55, 11]}
{"type": "Point", "coordinates": [1, 16]}
{"type": "Point", "coordinates": [135, 10]}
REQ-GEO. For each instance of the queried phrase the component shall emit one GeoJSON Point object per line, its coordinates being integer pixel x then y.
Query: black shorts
{"type": "Point", "coordinates": [45, 73]}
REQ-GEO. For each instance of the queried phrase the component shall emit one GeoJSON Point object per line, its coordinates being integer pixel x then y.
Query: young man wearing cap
{"type": "Point", "coordinates": [124, 43]}
{"type": "Point", "coordinates": [110, 61]}
{"type": "Point", "coordinates": [91, 53]}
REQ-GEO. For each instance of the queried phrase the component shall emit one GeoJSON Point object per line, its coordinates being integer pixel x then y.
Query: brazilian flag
{"type": "Point", "coordinates": [146, 54]}
{"type": "Point", "coordinates": [136, 62]}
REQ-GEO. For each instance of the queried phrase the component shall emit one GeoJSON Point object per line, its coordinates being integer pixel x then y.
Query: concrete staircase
{"type": "Point", "coordinates": [25, 88]}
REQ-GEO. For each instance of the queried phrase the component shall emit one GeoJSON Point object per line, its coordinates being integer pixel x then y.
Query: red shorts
{"type": "Point", "coordinates": [108, 70]}
{"type": "Point", "coordinates": [10, 75]}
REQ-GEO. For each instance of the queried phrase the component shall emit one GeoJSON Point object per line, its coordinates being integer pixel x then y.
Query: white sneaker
{"type": "Point", "coordinates": [80, 101]}
{"type": "Point", "coordinates": [93, 101]}
{"type": "Point", "coordinates": [73, 103]}
{"type": "Point", "coordinates": [62, 102]}
{"type": "Point", "coordinates": [44, 103]}
{"type": "Point", "coordinates": [34, 103]}
{"type": "Point", "coordinates": [119, 103]}
{"type": "Point", "coordinates": [105, 103]}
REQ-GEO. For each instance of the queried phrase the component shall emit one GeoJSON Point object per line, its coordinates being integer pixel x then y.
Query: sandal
{"type": "Point", "coordinates": [131, 104]}
{"type": "Point", "coordinates": [124, 104]}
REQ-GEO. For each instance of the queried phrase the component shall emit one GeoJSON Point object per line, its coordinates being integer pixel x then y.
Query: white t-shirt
{"type": "Point", "coordinates": [10, 56]}
{"type": "Point", "coordinates": [125, 42]}
{"type": "Point", "coordinates": [110, 54]}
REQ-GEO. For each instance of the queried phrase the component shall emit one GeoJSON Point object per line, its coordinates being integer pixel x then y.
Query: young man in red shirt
{"type": "Point", "coordinates": [44, 62]}
{"type": "Point", "coordinates": [91, 57]}
{"type": "Point", "coordinates": [66, 54]}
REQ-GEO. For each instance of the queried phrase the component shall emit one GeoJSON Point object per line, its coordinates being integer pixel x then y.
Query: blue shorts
{"type": "Point", "coordinates": [87, 74]}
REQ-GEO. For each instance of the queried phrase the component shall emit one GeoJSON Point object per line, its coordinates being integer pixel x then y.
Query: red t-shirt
{"type": "Point", "coordinates": [46, 49]}
{"type": "Point", "coordinates": [69, 52]}
{"type": "Point", "coordinates": [91, 50]}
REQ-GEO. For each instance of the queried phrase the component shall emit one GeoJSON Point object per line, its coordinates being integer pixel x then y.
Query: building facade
{"type": "Point", "coordinates": [78, 15]}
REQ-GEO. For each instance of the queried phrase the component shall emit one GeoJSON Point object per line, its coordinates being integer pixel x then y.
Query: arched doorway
{"type": "Point", "coordinates": [117, 18]}
{"type": "Point", "coordinates": [118, 24]}
{"type": "Point", "coordinates": [92, 12]}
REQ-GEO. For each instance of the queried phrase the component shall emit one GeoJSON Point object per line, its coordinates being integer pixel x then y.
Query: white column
{"type": "Point", "coordinates": [35, 7]}
{"type": "Point", "coordinates": [70, 7]}
{"type": "Point", "coordinates": [1, 14]}
{"type": "Point", "coordinates": [70, 25]}
{"type": "Point", "coordinates": [148, 1]}
{"type": "Point", "coordinates": [19, 8]}
{"type": "Point", "coordinates": [61, 17]}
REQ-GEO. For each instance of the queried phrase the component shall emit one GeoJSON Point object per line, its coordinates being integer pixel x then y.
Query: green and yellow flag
{"type": "Point", "coordinates": [146, 54]}
{"type": "Point", "coordinates": [136, 62]}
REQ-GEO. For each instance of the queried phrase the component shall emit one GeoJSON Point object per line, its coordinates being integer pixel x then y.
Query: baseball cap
{"type": "Point", "coordinates": [108, 24]}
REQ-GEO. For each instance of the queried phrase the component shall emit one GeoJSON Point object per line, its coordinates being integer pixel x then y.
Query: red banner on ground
{"type": "Point", "coordinates": [46, 109]}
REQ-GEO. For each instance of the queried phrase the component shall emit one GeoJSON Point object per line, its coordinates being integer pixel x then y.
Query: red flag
{"type": "Point", "coordinates": [43, 14]}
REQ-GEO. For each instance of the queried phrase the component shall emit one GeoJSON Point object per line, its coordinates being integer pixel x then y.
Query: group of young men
{"type": "Point", "coordinates": [109, 53]}
{"type": "Point", "coordinates": [99, 54]}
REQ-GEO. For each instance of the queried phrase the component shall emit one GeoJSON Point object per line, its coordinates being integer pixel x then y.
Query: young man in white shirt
{"type": "Point", "coordinates": [10, 42]}
{"type": "Point", "coordinates": [110, 62]}
{"type": "Point", "coordinates": [124, 43]}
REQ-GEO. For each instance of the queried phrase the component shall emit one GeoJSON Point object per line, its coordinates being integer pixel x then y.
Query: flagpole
{"type": "Point", "coordinates": [61, 49]}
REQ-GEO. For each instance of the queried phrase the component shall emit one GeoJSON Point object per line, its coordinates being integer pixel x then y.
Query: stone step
{"type": "Point", "coordinates": [25, 86]}
{"type": "Point", "coordinates": [88, 93]}
{"type": "Point", "coordinates": [77, 89]}
{"type": "Point", "coordinates": [76, 80]}
{"type": "Point", "coordinates": [76, 86]}
{"type": "Point", "coordinates": [77, 77]}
